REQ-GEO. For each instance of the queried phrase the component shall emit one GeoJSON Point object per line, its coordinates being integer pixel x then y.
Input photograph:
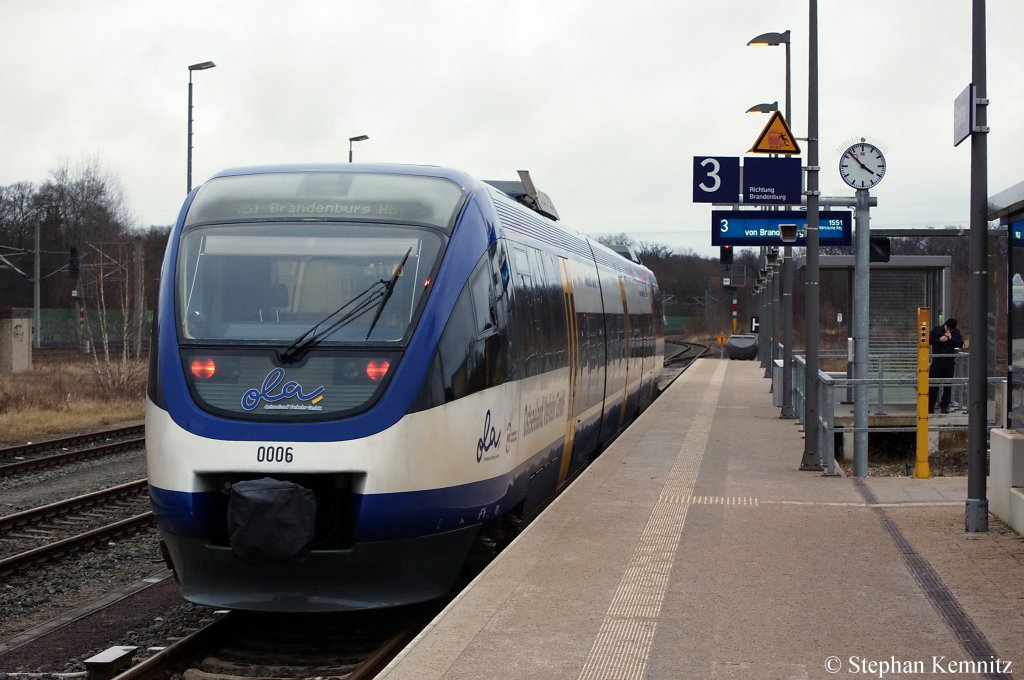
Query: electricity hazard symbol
{"type": "Point", "coordinates": [776, 137]}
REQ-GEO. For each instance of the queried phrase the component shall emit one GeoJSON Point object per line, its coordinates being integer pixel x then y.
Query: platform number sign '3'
{"type": "Point", "coordinates": [716, 179]}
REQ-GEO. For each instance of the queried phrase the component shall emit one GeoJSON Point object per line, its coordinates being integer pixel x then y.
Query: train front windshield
{"type": "Point", "coordinates": [265, 257]}
{"type": "Point", "coordinates": [270, 283]}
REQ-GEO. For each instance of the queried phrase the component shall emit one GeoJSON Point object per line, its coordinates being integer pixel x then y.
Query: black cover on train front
{"type": "Point", "coordinates": [271, 521]}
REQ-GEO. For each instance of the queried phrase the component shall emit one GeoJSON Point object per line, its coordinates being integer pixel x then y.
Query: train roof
{"type": "Point", "coordinates": [463, 179]}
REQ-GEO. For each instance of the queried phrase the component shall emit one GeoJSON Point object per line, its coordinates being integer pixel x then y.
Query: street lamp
{"type": "Point", "coordinates": [764, 108]}
{"type": "Point", "coordinates": [360, 138]}
{"type": "Point", "coordinates": [201, 66]}
{"type": "Point", "coordinates": [774, 39]}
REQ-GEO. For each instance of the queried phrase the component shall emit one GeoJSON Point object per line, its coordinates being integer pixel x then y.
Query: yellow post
{"type": "Point", "coordinates": [921, 470]}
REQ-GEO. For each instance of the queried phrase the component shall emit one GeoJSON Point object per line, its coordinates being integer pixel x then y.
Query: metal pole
{"type": "Point", "coordinates": [188, 161]}
{"type": "Point", "coordinates": [776, 288]}
{"type": "Point", "coordinates": [350, 151]}
{"type": "Point", "coordinates": [861, 315]}
{"type": "Point", "coordinates": [139, 290]}
{"type": "Point", "coordinates": [37, 317]}
{"type": "Point", "coordinates": [787, 333]}
{"type": "Point", "coordinates": [766, 319]}
{"type": "Point", "coordinates": [976, 511]}
{"type": "Point", "coordinates": [812, 453]}
{"type": "Point", "coordinates": [787, 293]}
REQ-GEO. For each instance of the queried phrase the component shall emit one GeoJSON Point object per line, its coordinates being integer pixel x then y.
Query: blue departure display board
{"type": "Point", "coordinates": [761, 228]}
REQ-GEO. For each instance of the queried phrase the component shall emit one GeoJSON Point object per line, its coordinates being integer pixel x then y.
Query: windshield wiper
{"type": "Point", "coordinates": [390, 285]}
{"type": "Point", "coordinates": [353, 309]}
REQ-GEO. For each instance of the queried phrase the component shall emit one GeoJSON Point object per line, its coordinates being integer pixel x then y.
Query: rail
{"type": "Point", "coordinates": [832, 383]}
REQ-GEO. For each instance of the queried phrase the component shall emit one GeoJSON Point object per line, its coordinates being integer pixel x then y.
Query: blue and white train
{"type": "Point", "coordinates": [357, 367]}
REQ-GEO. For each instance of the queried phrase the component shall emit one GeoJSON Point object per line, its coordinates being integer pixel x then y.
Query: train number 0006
{"type": "Point", "coordinates": [274, 454]}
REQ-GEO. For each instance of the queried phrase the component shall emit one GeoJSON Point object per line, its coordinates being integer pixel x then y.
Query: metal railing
{"type": "Point", "coordinates": [831, 383]}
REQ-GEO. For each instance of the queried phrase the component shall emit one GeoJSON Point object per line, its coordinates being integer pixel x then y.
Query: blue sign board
{"type": "Point", "coordinates": [757, 228]}
{"type": "Point", "coordinates": [1017, 233]}
{"type": "Point", "coordinates": [716, 179]}
{"type": "Point", "coordinates": [772, 181]}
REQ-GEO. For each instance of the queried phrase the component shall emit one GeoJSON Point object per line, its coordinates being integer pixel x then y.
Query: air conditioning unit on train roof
{"type": "Point", "coordinates": [526, 193]}
{"type": "Point", "coordinates": [626, 252]}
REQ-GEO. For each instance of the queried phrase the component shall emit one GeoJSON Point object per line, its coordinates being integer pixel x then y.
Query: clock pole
{"type": "Point", "coordinates": [862, 166]}
{"type": "Point", "coordinates": [861, 325]}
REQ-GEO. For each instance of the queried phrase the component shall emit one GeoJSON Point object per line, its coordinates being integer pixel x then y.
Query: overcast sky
{"type": "Point", "coordinates": [605, 102]}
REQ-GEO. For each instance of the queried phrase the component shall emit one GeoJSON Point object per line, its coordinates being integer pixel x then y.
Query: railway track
{"type": "Point", "coordinates": [239, 645]}
{"type": "Point", "coordinates": [47, 533]}
{"type": "Point", "coordinates": [66, 450]}
{"type": "Point", "coordinates": [685, 353]}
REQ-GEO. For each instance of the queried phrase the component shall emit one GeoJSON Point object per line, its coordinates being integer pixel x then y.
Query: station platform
{"type": "Point", "coordinates": [694, 547]}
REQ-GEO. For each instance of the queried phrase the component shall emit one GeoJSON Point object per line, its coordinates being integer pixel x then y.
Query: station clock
{"type": "Point", "coordinates": [862, 166]}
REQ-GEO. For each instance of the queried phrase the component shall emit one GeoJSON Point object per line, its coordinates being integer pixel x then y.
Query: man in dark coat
{"type": "Point", "coordinates": [945, 340]}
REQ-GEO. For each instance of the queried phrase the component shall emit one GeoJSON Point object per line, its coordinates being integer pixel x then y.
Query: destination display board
{"type": "Point", "coordinates": [761, 228]}
{"type": "Point", "coordinates": [772, 181]}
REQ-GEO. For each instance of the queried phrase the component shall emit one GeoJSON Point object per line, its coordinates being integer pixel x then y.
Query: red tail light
{"type": "Point", "coordinates": [375, 370]}
{"type": "Point", "coordinates": [203, 367]}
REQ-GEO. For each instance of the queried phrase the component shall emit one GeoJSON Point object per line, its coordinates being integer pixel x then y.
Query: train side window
{"type": "Point", "coordinates": [483, 304]}
{"type": "Point", "coordinates": [555, 319]}
{"type": "Point", "coordinates": [525, 336]}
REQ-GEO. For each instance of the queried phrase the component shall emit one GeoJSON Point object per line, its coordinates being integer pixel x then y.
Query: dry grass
{"type": "Point", "coordinates": [63, 394]}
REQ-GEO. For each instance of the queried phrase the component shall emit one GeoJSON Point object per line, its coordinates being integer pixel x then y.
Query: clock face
{"type": "Point", "coordinates": [862, 166]}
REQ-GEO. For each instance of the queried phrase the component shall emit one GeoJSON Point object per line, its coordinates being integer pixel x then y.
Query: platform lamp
{"type": "Point", "coordinates": [764, 108]}
{"type": "Point", "coordinates": [360, 138]}
{"type": "Point", "coordinates": [201, 66]}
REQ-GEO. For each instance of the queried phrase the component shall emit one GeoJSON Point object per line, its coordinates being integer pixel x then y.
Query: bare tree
{"type": "Point", "coordinates": [116, 371]}
{"type": "Point", "coordinates": [86, 204]}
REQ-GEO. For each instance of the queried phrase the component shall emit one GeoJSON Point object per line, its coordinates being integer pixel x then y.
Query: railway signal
{"type": "Point", "coordinates": [725, 254]}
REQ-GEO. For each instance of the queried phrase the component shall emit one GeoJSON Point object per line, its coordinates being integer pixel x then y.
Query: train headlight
{"type": "Point", "coordinates": [375, 370]}
{"type": "Point", "coordinates": [203, 367]}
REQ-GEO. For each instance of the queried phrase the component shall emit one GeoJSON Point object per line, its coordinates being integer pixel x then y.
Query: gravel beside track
{"type": "Point", "coordinates": [41, 595]}
{"type": "Point", "coordinates": [30, 490]}
{"type": "Point", "coordinates": [150, 618]}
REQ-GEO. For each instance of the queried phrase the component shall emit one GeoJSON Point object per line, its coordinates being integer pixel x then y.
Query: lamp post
{"type": "Point", "coordinates": [812, 458]}
{"type": "Point", "coordinates": [360, 138]}
{"type": "Point", "coordinates": [774, 39]}
{"type": "Point", "coordinates": [201, 66]}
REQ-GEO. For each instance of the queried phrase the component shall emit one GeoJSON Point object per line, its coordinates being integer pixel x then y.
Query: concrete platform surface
{"type": "Point", "coordinates": [695, 548]}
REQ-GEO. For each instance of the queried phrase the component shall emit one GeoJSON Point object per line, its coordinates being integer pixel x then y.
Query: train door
{"type": "Point", "coordinates": [627, 349]}
{"type": "Point", "coordinates": [652, 355]}
{"type": "Point", "coordinates": [573, 340]}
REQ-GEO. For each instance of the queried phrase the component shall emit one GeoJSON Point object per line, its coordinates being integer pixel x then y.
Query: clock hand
{"type": "Point", "coordinates": [858, 161]}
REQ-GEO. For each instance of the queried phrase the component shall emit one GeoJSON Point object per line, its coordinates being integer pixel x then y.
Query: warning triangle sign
{"type": "Point", "coordinates": [776, 137]}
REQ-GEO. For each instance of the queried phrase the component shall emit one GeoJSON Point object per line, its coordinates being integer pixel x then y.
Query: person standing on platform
{"type": "Point", "coordinates": [945, 340]}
